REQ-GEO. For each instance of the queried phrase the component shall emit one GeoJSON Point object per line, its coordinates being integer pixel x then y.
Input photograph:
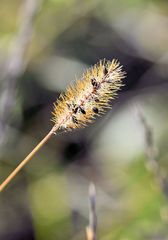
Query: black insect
{"type": "Point", "coordinates": [95, 110]}
{"type": "Point", "coordinates": [97, 100]}
{"type": "Point", "coordinates": [105, 71]}
{"type": "Point", "coordinates": [82, 110]}
{"type": "Point", "coordinates": [75, 110]}
{"type": "Point", "coordinates": [73, 107]}
{"type": "Point", "coordinates": [93, 81]}
{"type": "Point", "coordinates": [96, 85]}
{"type": "Point", "coordinates": [74, 120]}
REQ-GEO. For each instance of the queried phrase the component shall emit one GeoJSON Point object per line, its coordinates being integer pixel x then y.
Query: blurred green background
{"type": "Point", "coordinates": [44, 46]}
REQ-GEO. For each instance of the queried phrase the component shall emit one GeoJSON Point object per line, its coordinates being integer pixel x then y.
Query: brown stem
{"type": "Point", "coordinates": [28, 158]}
{"type": "Point", "coordinates": [91, 230]}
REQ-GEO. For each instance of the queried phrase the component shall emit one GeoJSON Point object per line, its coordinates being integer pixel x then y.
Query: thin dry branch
{"type": "Point", "coordinates": [16, 63]}
{"type": "Point", "coordinates": [91, 230]}
{"type": "Point", "coordinates": [151, 153]}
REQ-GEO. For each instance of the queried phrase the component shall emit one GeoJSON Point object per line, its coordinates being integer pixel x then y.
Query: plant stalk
{"type": "Point", "coordinates": [28, 158]}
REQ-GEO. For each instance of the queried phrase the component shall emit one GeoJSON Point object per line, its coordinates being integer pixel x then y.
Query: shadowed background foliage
{"type": "Point", "coordinates": [44, 46]}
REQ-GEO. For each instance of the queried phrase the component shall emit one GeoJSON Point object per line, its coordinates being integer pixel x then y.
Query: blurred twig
{"type": "Point", "coordinates": [151, 153]}
{"type": "Point", "coordinates": [92, 228]}
{"type": "Point", "coordinates": [16, 63]}
{"type": "Point", "coordinates": [149, 145]}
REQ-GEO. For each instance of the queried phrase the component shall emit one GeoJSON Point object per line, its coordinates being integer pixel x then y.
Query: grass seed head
{"type": "Point", "coordinates": [89, 97]}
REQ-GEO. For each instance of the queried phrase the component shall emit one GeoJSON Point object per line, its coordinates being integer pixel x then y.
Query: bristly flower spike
{"type": "Point", "coordinates": [81, 103]}
{"type": "Point", "coordinates": [89, 96]}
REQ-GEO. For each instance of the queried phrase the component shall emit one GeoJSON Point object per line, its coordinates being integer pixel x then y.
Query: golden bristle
{"type": "Point", "coordinates": [89, 96]}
